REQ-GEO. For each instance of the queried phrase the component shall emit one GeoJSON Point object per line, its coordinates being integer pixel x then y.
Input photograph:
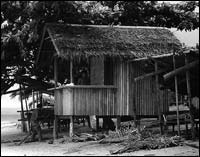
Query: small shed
{"type": "Point", "coordinates": [122, 81]}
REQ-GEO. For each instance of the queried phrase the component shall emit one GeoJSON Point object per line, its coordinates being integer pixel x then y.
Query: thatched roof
{"type": "Point", "coordinates": [92, 40]}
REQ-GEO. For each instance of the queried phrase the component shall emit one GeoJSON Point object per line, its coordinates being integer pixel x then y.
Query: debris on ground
{"type": "Point", "coordinates": [130, 137]}
{"type": "Point", "coordinates": [132, 140]}
{"type": "Point", "coordinates": [87, 137]}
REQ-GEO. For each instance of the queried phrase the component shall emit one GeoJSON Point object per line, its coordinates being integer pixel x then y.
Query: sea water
{"type": "Point", "coordinates": [9, 117]}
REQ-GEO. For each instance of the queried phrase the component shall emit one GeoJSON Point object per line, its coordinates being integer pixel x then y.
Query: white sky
{"type": "Point", "coordinates": [8, 102]}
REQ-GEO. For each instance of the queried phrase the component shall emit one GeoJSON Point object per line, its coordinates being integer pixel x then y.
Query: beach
{"type": "Point", "coordinates": [11, 136]}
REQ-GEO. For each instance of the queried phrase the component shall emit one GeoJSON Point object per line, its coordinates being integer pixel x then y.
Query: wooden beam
{"type": "Point", "coordinates": [181, 69]}
{"type": "Point", "coordinates": [157, 95]}
{"type": "Point", "coordinates": [56, 71]}
{"type": "Point", "coordinates": [71, 70]}
{"type": "Point", "coordinates": [189, 99]}
{"type": "Point", "coordinates": [148, 75]}
{"type": "Point", "coordinates": [157, 56]}
{"type": "Point", "coordinates": [53, 41]}
{"type": "Point", "coordinates": [146, 58]}
{"type": "Point", "coordinates": [176, 91]}
{"type": "Point", "coordinates": [55, 126]}
{"type": "Point", "coordinates": [158, 61]}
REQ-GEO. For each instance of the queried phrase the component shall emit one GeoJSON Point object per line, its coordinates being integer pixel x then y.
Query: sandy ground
{"type": "Point", "coordinates": [90, 148]}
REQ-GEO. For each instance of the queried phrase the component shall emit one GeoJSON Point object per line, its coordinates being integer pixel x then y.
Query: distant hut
{"type": "Point", "coordinates": [124, 77]}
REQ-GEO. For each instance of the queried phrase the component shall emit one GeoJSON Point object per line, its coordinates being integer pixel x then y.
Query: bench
{"type": "Point", "coordinates": [170, 119]}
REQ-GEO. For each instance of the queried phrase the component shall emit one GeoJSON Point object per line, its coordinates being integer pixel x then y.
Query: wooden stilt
{"type": "Point", "coordinates": [189, 99]}
{"type": "Point", "coordinates": [71, 127]}
{"type": "Point", "coordinates": [40, 97]}
{"type": "Point", "coordinates": [176, 91]}
{"type": "Point", "coordinates": [158, 98]}
{"type": "Point", "coordinates": [134, 105]}
{"type": "Point", "coordinates": [32, 99]}
{"type": "Point", "coordinates": [71, 70]}
{"type": "Point", "coordinates": [59, 124]}
{"type": "Point", "coordinates": [97, 123]}
{"type": "Point", "coordinates": [24, 129]}
{"type": "Point", "coordinates": [27, 112]}
{"type": "Point", "coordinates": [88, 119]}
{"type": "Point", "coordinates": [118, 122]}
{"type": "Point", "coordinates": [37, 96]}
{"type": "Point", "coordinates": [55, 128]}
{"type": "Point", "coordinates": [138, 123]}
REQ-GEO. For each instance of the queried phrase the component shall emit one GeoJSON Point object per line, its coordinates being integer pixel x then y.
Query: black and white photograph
{"type": "Point", "coordinates": [99, 78]}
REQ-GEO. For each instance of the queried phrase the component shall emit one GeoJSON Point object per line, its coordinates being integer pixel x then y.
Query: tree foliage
{"type": "Point", "coordinates": [22, 24]}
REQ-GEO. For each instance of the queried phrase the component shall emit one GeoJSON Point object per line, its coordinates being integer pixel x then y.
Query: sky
{"type": "Point", "coordinates": [7, 102]}
{"type": "Point", "coordinates": [189, 38]}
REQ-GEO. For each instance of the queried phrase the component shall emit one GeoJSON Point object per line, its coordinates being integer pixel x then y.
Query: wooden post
{"type": "Point", "coordinates": [71, 70]}
{"type": "Point", "coordinates": [88, 119]}
{"type": "Point", "coordinates": [176, 91]}
{"type": "Point", "coordinates": [134, 105]}
{"type": "Point", "coordinates": [22, 112]}
{"type": "Point", "coordinates": [27, 112]}
{"type": "Point", "coordinates": [118, 122]}
{"type": "Point", "coordinates": [29, 125]}
{"type": "Point", "coordinates": [189, 99]}
{"type": "Point", "coordinates": [40, 95]}
{"type": "Point", "coordinates": [37, 96]}
{"type": "Point", "coordinates": [55, 128]}
{"type": "Point", "coordinates": [138, 123]}
{"type": "Point", "coordinates": [157, 97]}
{"type": "Point", "coordinates": [33, 97]}
{"type": "Point", "coordinates": [71, 127]}
{"type": "Point", "coordinates": [56, 71]}
{"type": "Point", "coordinates": [97, 123]}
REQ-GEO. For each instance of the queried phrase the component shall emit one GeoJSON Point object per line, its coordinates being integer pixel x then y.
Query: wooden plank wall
{"type": "Point", "coordinates": [143, 93]}
{"type": "Point", "coordinates": [121, 81]}
{"type": "Point", "coordinates": [110, 101]}
{"type": "Point", "coordinates": [85, 101]}
{"type": "Point", "coordinates": [140, 95]}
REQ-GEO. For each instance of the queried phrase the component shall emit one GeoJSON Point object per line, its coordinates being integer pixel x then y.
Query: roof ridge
{"type": "Point", "coordinates": [106, 26]}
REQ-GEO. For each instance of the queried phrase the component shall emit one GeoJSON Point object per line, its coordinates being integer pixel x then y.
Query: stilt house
{"type": "Point", "coordinates": [122, 82]}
